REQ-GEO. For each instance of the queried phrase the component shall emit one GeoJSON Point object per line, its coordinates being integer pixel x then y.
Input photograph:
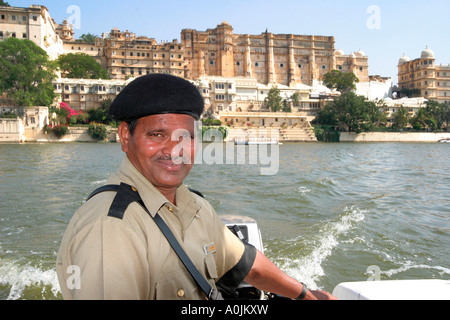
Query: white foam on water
{"type": "Point", "coordinates": [22, 277]}
{"type": "Point", "coordinates": [303, 190]}
{"type": "Point", "coordinates": [309, 268]}
{"type": "Point", "coordinates": [410, 265]}
{"type": "Point", "coordinates": [98, 182]}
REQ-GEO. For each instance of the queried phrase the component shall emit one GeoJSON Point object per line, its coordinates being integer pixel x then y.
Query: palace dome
{"type": "Point", "coordinates": [403, 60]}
{"type": "Point", "coordinates": [339, 52]}
{"type": "Point", "coordinates": [427, 54]}
{"type": "Point", "coordinates": [360, 53]}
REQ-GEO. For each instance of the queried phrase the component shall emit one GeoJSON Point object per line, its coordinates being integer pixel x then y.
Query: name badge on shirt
{"type": "Point", "coordinates": [210, 248]}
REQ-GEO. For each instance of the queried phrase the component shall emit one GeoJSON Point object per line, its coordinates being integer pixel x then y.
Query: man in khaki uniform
{"type": "Point", "coordinates": [122, 254]}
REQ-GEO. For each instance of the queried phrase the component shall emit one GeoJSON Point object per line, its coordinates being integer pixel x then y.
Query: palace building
{"type": "Point", "coordinates": [268, 58]}
{"type": "Point", "coordinates": [33, 23]}
{"type": "Point", "coordinates": [286, 59]}
{"type": "Point", "coordinates": [422, 77]}
{"type": "Point", "coordinates": [234, 72]}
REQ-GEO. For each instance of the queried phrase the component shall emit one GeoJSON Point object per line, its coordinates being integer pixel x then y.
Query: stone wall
{"type": "Point", "coordinates": [393, 136]}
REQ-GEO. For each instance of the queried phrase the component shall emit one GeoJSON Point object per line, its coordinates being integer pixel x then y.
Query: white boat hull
{"type": "Point", "coordinates": [427, 289]}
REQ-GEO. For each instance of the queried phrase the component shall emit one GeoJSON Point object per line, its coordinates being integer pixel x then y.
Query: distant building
{"type": "Point", "coordinates": [421, 77]}
{"type": "Point", "coordinates": [87, 93]}
{"type": "Point", "coordinates": [234, 72]}
{"type": "Point", "coordinates": [125, 55]}
{"type": "Point", "coordinates": [412, 106]}
{"type": "Point", "coordinates": [33, 23]}
{"type": "Point", "coordinates": [71, 45]}
{"type": "Point", "coordinates": [240, 94]}
{"type": "Point", "coordinates": [26, 126]}
{"type": "Point", "coordinates": [285, 59]}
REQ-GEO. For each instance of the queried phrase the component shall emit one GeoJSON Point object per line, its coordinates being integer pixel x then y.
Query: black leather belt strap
{"type": "Point", "coordinates": [126, 194]}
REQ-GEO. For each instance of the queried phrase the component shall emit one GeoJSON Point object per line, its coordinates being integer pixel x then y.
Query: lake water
{"type": "Point", "coordinates": [332, 213]}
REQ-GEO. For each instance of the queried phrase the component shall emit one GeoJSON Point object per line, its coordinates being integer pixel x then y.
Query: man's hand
{"type": "Point", "coordinates": [319, 295]}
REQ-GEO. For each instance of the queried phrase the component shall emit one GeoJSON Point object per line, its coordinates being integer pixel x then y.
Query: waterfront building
{"type": "Point", "coordinates": [85, 94]}
{"type": "Point", "coordinates": [26, 126]}
{"type": "Point", "coordinates": [412, 106]}
{"type": "Point", "coordinates": [240, 94]}
{"type": "Point", "coordinates": [33, 23]}
{"type": "Point", "coordinates": [285, 59]}
{"type": "Point", "coordinates": [125, 55]}
{"type": "Point", "coordinates": [72, 45]}
{"type": "Point", "coordinates": [377, 88]}
{"type": "Point", "coordinates": [234, 72]}
{"type": "Point", "coordinates": [422, 77]}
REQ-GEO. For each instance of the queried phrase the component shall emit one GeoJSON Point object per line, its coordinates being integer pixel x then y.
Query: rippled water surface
{"type": "Point", "coordinates": [332, 213]}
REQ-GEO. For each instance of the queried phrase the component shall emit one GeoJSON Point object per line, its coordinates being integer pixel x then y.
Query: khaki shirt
{"type": "Point", "coordinates": [103, 257]}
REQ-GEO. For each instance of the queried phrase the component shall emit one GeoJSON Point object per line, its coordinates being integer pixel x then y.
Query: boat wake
{"type": "Point", "coordinates": [309, 268]}
{"type": "Point", "coordinates": [28, 282]}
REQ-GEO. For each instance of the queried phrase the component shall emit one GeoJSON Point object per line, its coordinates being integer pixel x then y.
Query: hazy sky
{"type": "Point", "coordinates": [384, 30]}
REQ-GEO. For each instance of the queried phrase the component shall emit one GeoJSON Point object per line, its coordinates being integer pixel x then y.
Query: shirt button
{"type": "Point", "coordinates": [180, 293]}
{"type": "Point", "coordinates": [171, 209]}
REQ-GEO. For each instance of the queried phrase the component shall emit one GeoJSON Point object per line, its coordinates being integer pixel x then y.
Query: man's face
{"type": "Point", "coordinates": [156, 146]}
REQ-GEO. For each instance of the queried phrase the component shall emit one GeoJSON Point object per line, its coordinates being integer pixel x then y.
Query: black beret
{"type": "Point", "coordinates": [157, 94]}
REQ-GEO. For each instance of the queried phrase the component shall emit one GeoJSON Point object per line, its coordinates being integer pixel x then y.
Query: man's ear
{"type": "Point", "coordinates": [124, 135]}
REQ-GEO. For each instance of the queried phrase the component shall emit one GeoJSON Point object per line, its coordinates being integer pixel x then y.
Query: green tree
{"type": "Point", "coordinates": [434, 116]}
{"type": "Point", "coordinates": [436, 112]}
{"type": "Point", "coordinates": [100, 115]}
{"type": "Point", "coordinates": [81, 65]}
{"type": "Point", "coordinates": [341, 81]}
{"type": "Point", "coordinates": [285, 106]}
{"type": "Point", "coordinates": [351, 112]}
{"type": "Point", "coordinates": [419, 121]}
{"type": "Point", "coordinates": [295, 98]}
{"type": "Point", "coordinates": [4, 3]}
{"type": "Point", "coordinates": [273, 101]}
{"type": "Point", "coordinates": [400, 119]}
{"type": "Point", "coordinates": [88, 37]}
{"type": "Point", "coordinates": [445, 115]}
{"type": "Point", "coordinates": [26, 73]}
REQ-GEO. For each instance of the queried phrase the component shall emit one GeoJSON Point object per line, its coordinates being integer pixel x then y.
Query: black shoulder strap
{"type": "Point", "coordinates": [127, 194]}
